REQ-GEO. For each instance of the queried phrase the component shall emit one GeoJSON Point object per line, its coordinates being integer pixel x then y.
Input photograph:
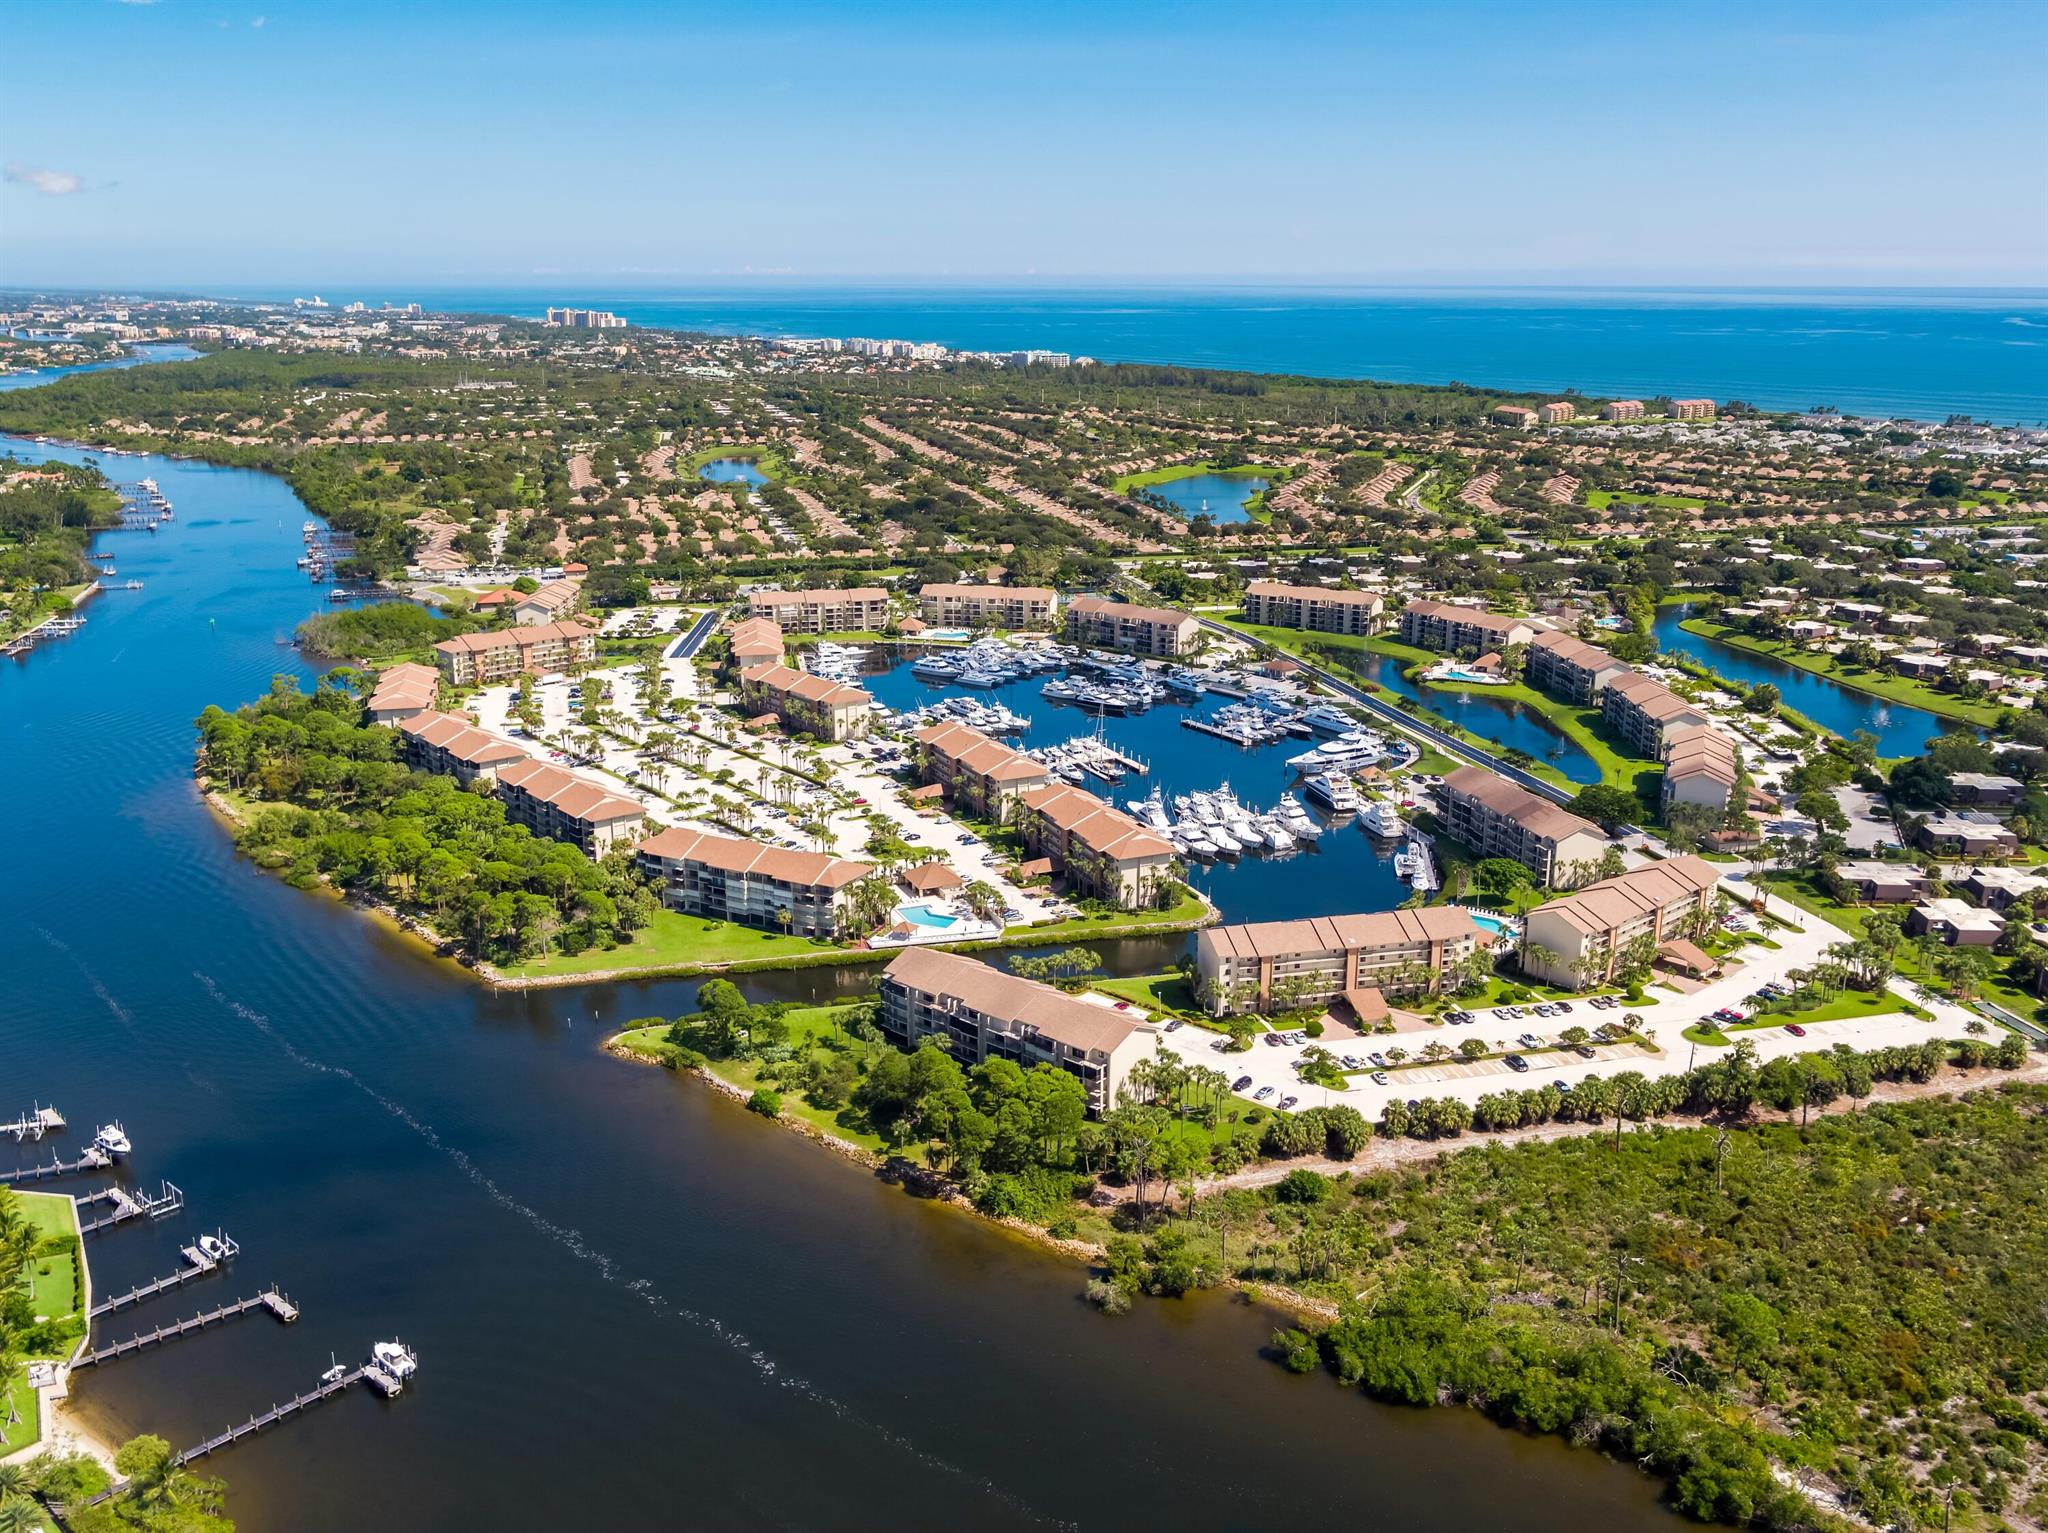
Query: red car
{"type": "Point", "coordinates": [1795, 1029]}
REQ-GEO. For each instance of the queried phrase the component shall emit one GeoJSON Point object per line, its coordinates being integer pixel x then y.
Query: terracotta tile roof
{"type": "Point", "coordinates": [1341, 934]}
{"type": "Point", "coordinates": [994, 993]}
{"type": "Point", "coordinates": [1283, 592]}
{"type": "Point", "coordinates": [756, 636]}
{"type": "Point", "coordinates": [575, 796]}
{"type": "Point", "coordinates": [823, 597]}
{"type": "Point", "coordinates": [1095, 824]}
{"type": "Point", "coordinates": [1614, 902]}
{"type": "Point", "coordinates": [454, 734]}
{"type": "Point", "coordinates": [1652, 698]}
{"type": "Point", "coordinates": [1574, 651]}
{"type": "Point", "coordinates": [802, 684]}
{"type": "Point", "coordinates": [1477, 617]}
{"type": "Point", "coordinates": [994, 593]}
{"type": "Point", "coordinates": [538, 633]}
{"type": "Point", "coordinates": [553, 596]}
{"type": "Point", "coordinates": [1092, 605]}
{"type": "Point", "coordinates": [930, 877]}
{"type": "Point", "coordinates": [730, 854]}
{"type": "Point", "coordinates": [1532, 813]}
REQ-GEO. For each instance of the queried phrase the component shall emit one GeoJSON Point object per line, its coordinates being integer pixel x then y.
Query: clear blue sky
{"type": "Point", "coordinates": [219, 142]}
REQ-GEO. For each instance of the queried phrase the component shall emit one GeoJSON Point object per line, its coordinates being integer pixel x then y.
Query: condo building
{"type": "Point", "coordinates": [476, 659]}
{"type": "Point", "coordinates": [1100, 851]}
{"type": "Point", "coordinates": [1313, 607]}
{"type": "Point", "coordinates": [1570, 668]}
{"type": "Point", "coordinates": [754, 642]}
{"type": "Point", "coordinates": [831, 710]}
{"type": "Point", "coordinates": [1104, 624]}
{"type": "Point", "coordinates": [1699, 767]}
{"type": "Point", "coordinates": [1692, 409]}
{"type": "Point", "coordinates": [1580, 938]}
{"type": "Point", "coordinates": [557, 803]}
{"type": "Point", "coordinates": [449, 744]}
{"type": "Point", "coordinates": [977, 773]}
{"type": "Point", "coordinates": [1642, 709]}
{"type": "Point", "coordinates": [725, 878]}
{"type": "Point", "coordinates": [1557, 412]}
{"type": "Point", "coordinates": [1622, 410]}
{"type": "Point", "coordinates": [404, 691]}
{"type": "Point", "coordinates": [1314, 961]}
{"type": "Point", "coordinates": [983, 1013]}
{"type": "Point", "coordinates": [548, 603]}
{"type": "Point", "coordinates": [1452, 629]}
{"type": "Point", "coordinates": [972, 606]}
{"type": "Point", "coordinates": [1514, 415]}
{"type": "Point", "coordinates": [1496, 818]}
{"type": "Point", "coordinates": [858, 609]}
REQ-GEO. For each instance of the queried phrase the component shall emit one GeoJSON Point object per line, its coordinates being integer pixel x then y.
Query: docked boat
{"type": "Point", "coordinates": [1325, 719]}
{"type": "Point", "coordinates": [213, 1247]}
{"type": "Point", "coordinates": [396, 1359]}
{"type": "Point", "coordinates": [113, 1140]}
{"type": "Point", "coordinates": [1334, 792]}
{"type": "Point", "coordinates": [1382, 820]}
{"type": "Point", "coordinates": [935, 667]}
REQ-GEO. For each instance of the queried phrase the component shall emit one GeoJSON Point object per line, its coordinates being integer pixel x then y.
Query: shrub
{"type": "Point", "coordinates": [765, 1102]}
{"type": "Point", "coordinates": [1302, 1185]}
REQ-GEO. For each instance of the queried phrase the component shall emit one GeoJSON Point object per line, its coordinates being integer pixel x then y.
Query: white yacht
{"type": "Point", "coordinates": [1381, 820]}
{"type": "Point", "coordinates": [1334, 792]}
{"type": "Point", "coordinates": [396, 1359]}
{"type": "Point", "coordinates": [1328, 719]}
{"type": "Point", "coordinates": [213, 1247]}
{"type": "Point", "coordinates": [1276, 835]}
{"type": "Point", "coordinates": [113, 1140]}
{"type": "Point", "coordinates": [1351, 750]}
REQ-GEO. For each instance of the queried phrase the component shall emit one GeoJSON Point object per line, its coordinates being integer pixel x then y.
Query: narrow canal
{"type": "Point", "coordinates": [1901, 730]}
{"type": "Point", "coordinates": [634, 1303]}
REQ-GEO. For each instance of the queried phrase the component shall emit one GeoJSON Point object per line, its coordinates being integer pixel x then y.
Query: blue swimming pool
{"type": "Point", "coordinates": [1485, 920]}
{"type": "Point", "coordinates": [920, 915]}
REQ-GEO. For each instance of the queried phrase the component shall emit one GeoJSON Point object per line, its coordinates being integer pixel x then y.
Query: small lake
{"type": "Point", "coordinates": [733, 471]}
{"type": "Point", "coordinates": [1221, 496]}
{"type": "Point", "coordinates": [1901, 730]}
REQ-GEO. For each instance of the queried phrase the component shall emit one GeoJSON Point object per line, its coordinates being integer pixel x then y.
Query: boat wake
{"type": "Point", "coordinates": [573, 1242]}
{"type": "Point", "coordinates": [121, 1013]}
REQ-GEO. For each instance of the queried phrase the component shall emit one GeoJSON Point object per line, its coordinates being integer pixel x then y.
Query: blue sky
{"type": "Point", "coordinates": [202, 143]}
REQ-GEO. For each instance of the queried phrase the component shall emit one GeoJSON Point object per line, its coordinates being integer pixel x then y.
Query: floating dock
{"type": "Point", "coordinates": [34, 1123]}
{"type": "Point", "coordinates": [128, 1206]}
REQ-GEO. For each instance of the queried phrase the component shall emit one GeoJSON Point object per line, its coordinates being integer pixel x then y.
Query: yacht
{"type": "Point", "coordinates": [1327, 719]}
{"type": "Point", "coordinates": [112, 1140]}
{"type": "Point", "coordinates": [213, 1247]}
{"type": "Point", "coordinates": [1275, 835]}
{"type": "Point", "coordinates": [1334, 792]}
{"type": "Point", "coordinates": [396, 1359]}
{"type": "Point", "coordinates": [1381, 820]}
{"type": "Point", "coordinates": [1351, 750]}
{"type": "Point", "coordinates": [935, 667]}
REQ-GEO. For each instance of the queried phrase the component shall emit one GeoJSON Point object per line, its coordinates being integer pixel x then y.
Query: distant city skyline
{"type": "Point", "coordinates": [627, 145]}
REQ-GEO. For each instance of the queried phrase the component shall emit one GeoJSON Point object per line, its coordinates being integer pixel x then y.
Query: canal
{"type": "Point", "coordinates": [1901, 729]}
{"type": "Point", "coordinates": [634, 1302]}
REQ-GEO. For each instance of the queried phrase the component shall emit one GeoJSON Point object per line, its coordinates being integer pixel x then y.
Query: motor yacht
{"type": "Point", "coordinates": [396, 1359]}
{"type": "Point", "coordinates": [1382, 820]}
{"type": "Point", "coordinates": [113, 1140]}
{"type": "Point", "coordinates": [1334, 792]}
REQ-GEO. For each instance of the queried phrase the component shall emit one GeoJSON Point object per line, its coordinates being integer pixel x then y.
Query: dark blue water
{"type": "Point", "coordinates": [1219, 496]}
{"type": "Point", "coordinates": [1917, 354]}
{"type": "Point", "coordinates": [627, 1293]}
{"type": "Point", "coordinates": [733, 471]}
{"type": "Point", "coordinates": [1901, 730]}
{"type": "Point", "coordinates": [1346, 870]}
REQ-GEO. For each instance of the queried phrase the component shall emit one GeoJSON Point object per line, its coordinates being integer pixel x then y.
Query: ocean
{"type": "Point", "coordinates": [1920, 354]}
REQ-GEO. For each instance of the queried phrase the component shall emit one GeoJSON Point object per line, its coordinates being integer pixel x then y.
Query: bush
{"type": "Point", "coordinates": [1302, 1185]}
{"type": "Point", "coordinates": [1314, 1027]}
{"type": "Point", "coordinates": [1111, 1298]}
{"type": "Point", "coordinates": [1298, 1351]}
{"type": "Point", "coordinates": [765, 1102]}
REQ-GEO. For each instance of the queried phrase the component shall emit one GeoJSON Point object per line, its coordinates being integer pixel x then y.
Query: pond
{"type": "Point", "coordinates": [733, 471]}
{"type": "Point", "coordinates": [1901, 729]}
{"type": "Point", "coordinates": [1220, 496]}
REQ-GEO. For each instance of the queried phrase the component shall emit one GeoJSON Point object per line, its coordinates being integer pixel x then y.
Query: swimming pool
{"type": "Point", "coordinates": [1487, 921]}
{"type": "Point", "coordinates": [947, 635]}
{"type": "Point", "coordinates": [924, 915]}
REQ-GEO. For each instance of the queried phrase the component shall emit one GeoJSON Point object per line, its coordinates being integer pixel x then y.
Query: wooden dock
{"type": "Point", "coordinates": [94, 1159]}
{"type": "Point", "coordinates": [270, 1299]}
{"type": "Point", "coordinates": [34, 1123]}
{"type": "Point", "coordinates": [127, 1206]}
{"type": "Point", "coordinates": [197, 1264]}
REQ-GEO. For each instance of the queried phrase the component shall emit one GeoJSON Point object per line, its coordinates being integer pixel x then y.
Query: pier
{"type": "Point", "coordinates": [128, 1206]}
{"type": "Point", "coordinates": [197, 1265]}
{"type": "Point", "coordinates": [269, 1299]}
{"type": "Point", "coordinates": [34, 1123]}
{"type": "Point", "coordinates": [94, 1159]}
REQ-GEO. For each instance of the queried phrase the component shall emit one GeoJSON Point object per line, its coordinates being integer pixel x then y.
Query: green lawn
{"type": "Point", "coordinates": [27, 1407]}
{"type": "Point", "coordinates": [809, 1027]}
{"type": "Point", "coordinates": [1125, 483]}
{"type": "Point", "coordinates": [1601, 499]}
{"type": "Point", "coordinates": [53, 1295]}
{"type": "Point", "coordinates": [1897, 689]}
{"type": "Point", "coordinates": [1156, 992]}
{"type": "Point", "coordinates": [678, 942]}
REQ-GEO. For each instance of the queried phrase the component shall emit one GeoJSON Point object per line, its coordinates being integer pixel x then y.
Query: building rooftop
{"type": "Point", "coordinates": [994, 993]}
{"type": "Point", "coordinates": [1531, 812]}
{"type": "Point", "coordinates": [731, 854]}
{"type": "Point", "coordinates": [1614, 902]}
{"type": "Point", "coordinates": [1337, 934]}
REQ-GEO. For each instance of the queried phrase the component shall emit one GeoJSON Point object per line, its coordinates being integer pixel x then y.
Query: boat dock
{"type": "Point", "coordinates": [94, 1159]}
{"type": "Point", "coordinates": [128, 1206]}
{"type": "Point", "coordinates": [369, 1374]}
{"type": "Point", "coordinates": [197, 1265]}
{"type": "Point", "coordinates": [269, 1299]}
{"type": "Point", "coordinates": [34, 1123]}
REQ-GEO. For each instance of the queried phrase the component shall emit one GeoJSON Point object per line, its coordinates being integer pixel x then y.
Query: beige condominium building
{"type": "Point", "coordinates": [859, 609]}
{"type": "Point", "coordinates": [1104, 624]}
{"type": "Point", "coordinates": [475, 659]}
{"type": "Point", "coordinates": [1692, 409]}
{"type": "Point", "coordinates": [1622, 410]}
{"type": "Point", "coordinates": [1556, 412]}
{"type": "Point", "coordinates": [1101, 851]}
{"type": "Point", "coordinates": [971, 606]}
{"type": "Point", "coordinates": [1313, 607]}
{"type": "Point", "coordinates": [1580, 938]}
{"type": "Point", "coordinates": [1496, 818]}
{"type": "Point", "coordinates": [557, 803]}
{"type": "Point", "coordinates": [1450, 629]}
{"type": "Point", "coordinates": [403, 691]}
{"type": "Point", "coordinates": [982, 1013]}
{"type": "Point", "coordinates": [1569, 668]}
{"type": "Point", "coordinates": [1316, 960]}
{"type": "Point", "coordinates": [550, 603]}
{"type": "Point", "coordinates": [981, 775]}
{"type": "Point", "coordinates": [1640, 709]}
{"type": "Point", "coordinates": [1699, 767]}
{"type": "Point", "coordinates": [831, 710]}
{"type": "Point", "coordinates": [725, 878]}
{"type": "Point", "coordinates": [754, 641]}
{"type": "Point", "coordinates": [1514, 415]}
{"type": "Point", "coordinates": [449, 744]}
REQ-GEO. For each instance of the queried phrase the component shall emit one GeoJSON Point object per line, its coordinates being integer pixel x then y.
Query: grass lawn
{"type": "Point", "coordinates": [1601, 499]}
{"type": "Point", "coordinates": [1157, 992]}
{"type": "Point", "coordinates": [672, 940]}
{"type": "Point", "coordinates": [1125, 483]}
{"type": "Point", "coordinates": [27, 1407]}
{"type": "Point", "coordinates": [1897, 689]}
{"type": "Point", "coordinates": [53, 1294]}
{"type": "Point", "coordinates": [1188, 911]}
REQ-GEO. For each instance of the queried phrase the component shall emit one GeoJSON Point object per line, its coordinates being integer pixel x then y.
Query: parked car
{"type": "Point", "coordinates": [1530, 1041]}
{"type": "Point", "coordinates": [1262, 1093]}
{"type": "Point", "coordinates": [1583, 1052]}
{"type": "Point", "coordinates": [1795, 1029]}
{"type": "Point", "coordinates": [1378, 1059]}
{"type": "Point", "coordinates": [1516, 1063]}
{"type": "Point", "coordinates": [1379, 1077]}
{"type": "Point", "coordinates": [1286, 1103]}
{"type": "Point", "coordinates": [1564, 1006]}
{"type": "Point", "coordinates": [1240, 1083]}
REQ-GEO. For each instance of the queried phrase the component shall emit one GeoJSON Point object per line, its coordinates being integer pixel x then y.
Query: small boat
{"type": "Point", "coordinates": [395, 1358]}
{"type": "Point", "coordinates": [213, 1247]}
{"type": "Point", "coordinates": [334, 1372]}
{"type": "Point", "coordinates": [112, 1139]}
